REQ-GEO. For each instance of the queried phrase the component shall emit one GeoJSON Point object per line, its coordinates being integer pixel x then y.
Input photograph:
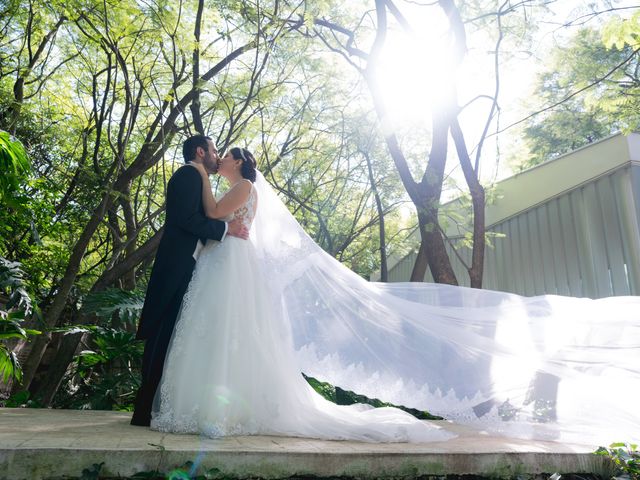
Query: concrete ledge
{"type": "Point", "coordinates": [43, 444]}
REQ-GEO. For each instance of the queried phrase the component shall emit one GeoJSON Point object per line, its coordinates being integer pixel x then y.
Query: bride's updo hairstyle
{"type": "Point", "coordinates": [248, 168]}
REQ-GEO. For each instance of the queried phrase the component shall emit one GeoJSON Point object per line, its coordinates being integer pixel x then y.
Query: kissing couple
{"type": "Point", "coordinates": [218, 358]}
{"type": "Point", "coordinates": [241, 301]}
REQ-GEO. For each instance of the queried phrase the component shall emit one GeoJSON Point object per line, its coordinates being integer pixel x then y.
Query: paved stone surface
{"type": "Point", "coordinates": [45, 444]}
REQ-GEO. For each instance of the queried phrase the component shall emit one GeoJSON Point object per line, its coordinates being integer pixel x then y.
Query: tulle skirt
{"type": "Point", "coordinates": [231, 368]}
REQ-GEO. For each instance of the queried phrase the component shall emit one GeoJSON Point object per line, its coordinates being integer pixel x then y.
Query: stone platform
{"type": "Point", "coordinates": [48, 444]}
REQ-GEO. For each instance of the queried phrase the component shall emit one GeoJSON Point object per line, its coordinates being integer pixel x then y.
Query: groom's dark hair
{"type": "Point", "coordinates": [190, 144]}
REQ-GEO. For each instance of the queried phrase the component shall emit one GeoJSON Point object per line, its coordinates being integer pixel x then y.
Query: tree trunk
{"type": "Point", "coordinates": [54, 312]}
{"type": "Point", "coordinates": [195, 104]}
{"type": "Point", "coordinates": [429, 202]}
{"type": "Point", "coordinates": [426, 194]}
{"type": "Point", "coordinates": [23, 74]}
{"type": "Point", "coordinates": [45, 390]}
{"type": "Point", "coordinates": [129, 277]}
{"type": "Point", "coordinates": [420, 265]}
{"type": "Point", "coordinates": [477, 200]}
{"type": "Point", "coordinates": [437, 257]}
{"type": "Point", "coordinates": [384, 274]}
{"type": "Point", "coordinates": [439, 263]}
{"type": "Point", "coordinates": [476, 271]}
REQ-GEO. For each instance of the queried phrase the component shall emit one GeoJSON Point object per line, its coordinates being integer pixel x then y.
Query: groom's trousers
{"type": "Point", "coordinates": [155, 351]}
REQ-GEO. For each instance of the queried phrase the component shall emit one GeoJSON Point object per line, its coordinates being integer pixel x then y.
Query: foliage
{"type": "Point", "coordinates": [12, 282]}
{"type": "Point", "coordinates": [126, 306]}
{"type": "Point", "coordinates": [106, 374]}
{"type": "Point", "coordinates": [18, 305]}
{"type": "Point", "coordinates": [625, 457]}
{"type": "Point", "coordinates": [100, 101]}
{"type": "Point", "coordinates": [188, 471]}
{"type": "Point", "coordinates": [30, 229]}
{"type": "Point", "coordinates": [103, 107]}
{"type": "Point", "coordinates": [22, 399]}
{"type": "Point", "coordinates": [9, 364]}
{"type": "Point", "coordinates": [14, 164]}
{"type": "Point", "coordinates": [594, 84]}
{"type": "Point", "coordinates": [619, 33]}
{"type": "Point", "coordinates": [106, 377]}
{"type": "Point", "coordinates": [92, 473]}
{"type": "Point", "coordinates": [346, 397]}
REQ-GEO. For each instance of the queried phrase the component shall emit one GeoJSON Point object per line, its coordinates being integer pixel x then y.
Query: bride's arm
{"type": "Point", "coordinates": [232, 200]}
{"type": "Point", "coordinates": [208, 200]}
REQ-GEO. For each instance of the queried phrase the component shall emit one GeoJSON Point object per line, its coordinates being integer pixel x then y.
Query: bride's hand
{"type": "Point", "coordinates": [208, 202]}
{"type": "Point", "coordinates": [201, 169]}
{"type": "Point", "coordinates": [237, 229]}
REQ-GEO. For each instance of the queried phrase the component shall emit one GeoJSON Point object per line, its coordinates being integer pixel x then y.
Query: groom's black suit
{"type": "Point", "coordinates": [185, 224]}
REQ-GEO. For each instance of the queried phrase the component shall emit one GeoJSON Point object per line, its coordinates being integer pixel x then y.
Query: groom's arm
{"type": "Point", "coordinates": [184, 198]}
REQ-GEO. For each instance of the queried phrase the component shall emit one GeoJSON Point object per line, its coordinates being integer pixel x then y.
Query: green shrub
{"type": "Point", "coordinates": [625, 457]}
{"type": "Point", "coordinates": [16, 308]}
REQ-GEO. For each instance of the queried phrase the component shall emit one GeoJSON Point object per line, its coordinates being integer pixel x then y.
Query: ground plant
{"type": "Point", "coordinates": [625, 457]}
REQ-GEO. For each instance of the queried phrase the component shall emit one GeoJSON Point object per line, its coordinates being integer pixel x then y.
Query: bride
{"type": "Point", "coordinates": [259, 313]}
{"type": "Point", "coordinates": [230, 368]}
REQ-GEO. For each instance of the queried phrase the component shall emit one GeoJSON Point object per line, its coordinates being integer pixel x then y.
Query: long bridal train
{"type": "Point", "coordinates": [231, 367]}
{"type": "Point", "coordinates": [539, 367]}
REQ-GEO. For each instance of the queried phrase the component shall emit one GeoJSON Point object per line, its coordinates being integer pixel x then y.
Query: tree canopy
{"type": "Point", "coordinates": [97, 97]}
{"type": "Point", "coordinates": [593, 85]}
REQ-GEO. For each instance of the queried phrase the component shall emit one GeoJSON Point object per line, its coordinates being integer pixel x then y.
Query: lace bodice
{"type": "Point", "coordinates": [247, 212]}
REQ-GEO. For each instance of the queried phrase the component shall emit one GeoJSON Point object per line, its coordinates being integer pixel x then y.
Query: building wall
{"type": "Point", "coordinates": [571, 227]}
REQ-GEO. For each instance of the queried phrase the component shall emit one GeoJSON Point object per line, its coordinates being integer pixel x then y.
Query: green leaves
{"type": "Point", "coordinates": [111, 345]}
{"type": "Point", "coordinates": [9, 365]}
{"type": "Point", "coordinates": [92, 473]}
{"type": "Point", "coordinates": [126, 305]}
{"type": "Point", "coordinates": [625, 457]}
{"type": "Point", "coordinates": [346, 397]}
{"type": "Point", "coordinates": [20, 399]}
{"type": "Point", "coordinates": [14, 164]}
{"type": "Point", "coordinates": [11, 329]}
{"type": "Point", "coordinates": [18, 305]}
{"type": "Point", "coordinates": [12, 282]}
{"type": "Point", "coordinates": [108, 372]}
{"type": "Point", "coordinates": [618, 32]}
{"type": "Point", "coordinates": [89, 358]}
{"type": "Point", "coordinates": [594, 87]}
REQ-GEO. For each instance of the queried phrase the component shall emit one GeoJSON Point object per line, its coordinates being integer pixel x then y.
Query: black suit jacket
{"type": "Point", "coordinates": [185, 223]}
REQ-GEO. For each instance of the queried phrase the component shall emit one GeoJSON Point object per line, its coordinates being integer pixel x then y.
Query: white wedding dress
{"type": "Point", "coordinates": [260, 312]}
{"type": "Point", "coordinates": [231, 368]}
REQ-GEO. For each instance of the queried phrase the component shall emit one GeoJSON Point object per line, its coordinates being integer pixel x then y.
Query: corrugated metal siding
{"type": "Point", "coordinates": [583, 243]}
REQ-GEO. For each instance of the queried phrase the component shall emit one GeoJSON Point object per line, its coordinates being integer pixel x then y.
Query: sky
{"type": "Point", "coordinates": [412, 88]}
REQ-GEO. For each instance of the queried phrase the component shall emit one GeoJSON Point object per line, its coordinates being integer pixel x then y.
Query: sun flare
{"type": "Point", "coordinates": [414, 71]}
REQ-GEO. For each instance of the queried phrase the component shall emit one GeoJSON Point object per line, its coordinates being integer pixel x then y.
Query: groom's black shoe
{"type": "Point", "coordinates": [141, 420]}
{"type": "Point", "coordinates": [142, 406]}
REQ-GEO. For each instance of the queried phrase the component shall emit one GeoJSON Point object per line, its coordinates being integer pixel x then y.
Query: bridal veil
{"type": "Point", "coordinates": [546, 367]}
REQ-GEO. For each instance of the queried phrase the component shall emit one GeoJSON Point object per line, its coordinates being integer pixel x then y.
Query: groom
{"type": "Point", "coordinates": [185, 225]}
